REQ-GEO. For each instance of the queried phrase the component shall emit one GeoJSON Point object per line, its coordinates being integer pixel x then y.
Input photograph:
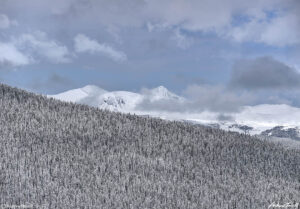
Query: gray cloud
{"type": "Point", "coordinates": [277, 84]}
{"type": "Point", "coordinates": [163, 105]}
{"type": "Point", "coordinates": [192, 15]}
{"type": "Point", "coordinates": [53, 84]}
{"type": "Point", "coordinates": [263, 73]}
{"type": "Point", "coordinates": [201, 98]}
{"type": "Point", "coordinates": [217, 98]}
{"type": "Point", "coordinates": [223, 117]}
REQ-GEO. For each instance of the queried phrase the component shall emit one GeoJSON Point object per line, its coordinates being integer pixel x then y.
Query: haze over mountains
{"type": "Point", "coordinates": [160, 102]}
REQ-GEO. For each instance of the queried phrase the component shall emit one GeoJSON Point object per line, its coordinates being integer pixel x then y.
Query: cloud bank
{"type": "Point", "coordinates": [264, 73]}
{"type": "Point", "coordinates": [38, 43]}
{"type": "Point", "coordinates": [273, 22]}
{"type": "Point", "coordinates": [263, 80]}
{"type": "Point", "coordinates": [84, 44]}
{"type": "Point", "coordinates": [10, 56]}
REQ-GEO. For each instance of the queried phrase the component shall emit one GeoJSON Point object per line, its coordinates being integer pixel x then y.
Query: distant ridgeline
{"type": "Point", "coordinates": [282, 132]}
{"type": "Point", "coordinates": [55, 154]}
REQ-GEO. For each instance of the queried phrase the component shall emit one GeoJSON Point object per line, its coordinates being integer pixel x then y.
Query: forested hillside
{"type": "Point", "coordinates": [63, 155]}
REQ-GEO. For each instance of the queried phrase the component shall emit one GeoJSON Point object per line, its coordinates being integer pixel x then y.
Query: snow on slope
{"type": "Point", "coordinates": [123, 101]}
{"type": "Point", "coordinates": [257, 118]}
{"type": "Point", "coordinates": [161, 93]}
{"type": "Point", "coordinates": [270, 115]}
{"type": "Point", "coordinates": [267, 116]}
{"type": "Point", "coordinates": [76, 95]}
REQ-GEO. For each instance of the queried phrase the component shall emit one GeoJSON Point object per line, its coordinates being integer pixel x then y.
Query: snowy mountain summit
{"type": "Point", "coordinates": [161, 93]}
{"type": "Point", "coordinates": [123, 101]}
{"type": "Point", "coordinates": [266, 119]}
{"type": "Point", "coordinates": [76, 95]}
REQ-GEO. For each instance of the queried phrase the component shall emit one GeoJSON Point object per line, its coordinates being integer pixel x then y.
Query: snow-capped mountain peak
{"type": "Point", "coordinates": [160, 90]}
{"type": "Point", "coordinates": [160, 93]}
{"type": "Point", "coordinates": [123, 101]}
{"type": "Point", "coordinates": [76, 95]}
{"type": "Point", "coordinates": [93, 90]}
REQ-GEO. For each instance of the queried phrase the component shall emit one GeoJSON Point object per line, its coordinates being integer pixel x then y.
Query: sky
{"type": "Point", "coordinates": [223, 54]}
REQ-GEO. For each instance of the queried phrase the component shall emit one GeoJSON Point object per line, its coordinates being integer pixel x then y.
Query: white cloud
{"type": "Point", "coordinates": [38, 43]}
{"type": "Point", "coordinates": [28, 48]}
{"type": "Point", "coordinates": [5, 22]}
{"type": "Point", "coordinates": [84, 44]}
{"type": "Point", "coordinates": [282, 31]}
{"type": "Point", "coordinates": [10, 56]}
{"type": "Point", "coordinates": [279, 31]}
{"type": "Point", "coordinates": [181, 40]}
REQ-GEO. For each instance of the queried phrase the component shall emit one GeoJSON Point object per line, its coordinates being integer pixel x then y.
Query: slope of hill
{"type": "Point", "coordinates": [64, 155]}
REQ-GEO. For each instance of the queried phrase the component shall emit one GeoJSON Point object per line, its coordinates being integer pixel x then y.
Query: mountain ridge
{"type": "Point", "coordinates": [258, 119]}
